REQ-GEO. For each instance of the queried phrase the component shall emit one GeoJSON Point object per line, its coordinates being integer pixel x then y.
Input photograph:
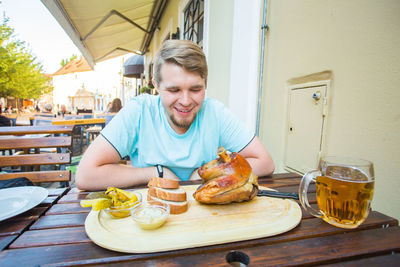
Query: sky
{"type": "Point", "coordinates": [45, 38]}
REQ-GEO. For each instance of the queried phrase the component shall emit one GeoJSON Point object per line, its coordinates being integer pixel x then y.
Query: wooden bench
{"type": "Point", "coordinates": [30, 140]}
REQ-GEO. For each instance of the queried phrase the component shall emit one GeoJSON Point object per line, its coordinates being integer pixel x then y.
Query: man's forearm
{"type": "Point", "coordinates": [117, 175]}
{"type": "Point", "coordinates": [261, 168]}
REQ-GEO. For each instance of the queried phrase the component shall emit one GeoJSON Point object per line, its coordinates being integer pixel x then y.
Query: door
{"type": "Point", "coordinates": [305, 127]}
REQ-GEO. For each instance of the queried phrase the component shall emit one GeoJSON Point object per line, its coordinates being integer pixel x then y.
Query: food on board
{"type": "Point", "coordinates": [97, 203]}
{"type": "Point", "coordinates": [177, 194]}
{"type": "Point", "coordinates": [163, 183]}
{"type": "Point", "coordinates": [176, 207]}
{"type": "Point", "coordinates": [167, 191]}
{"type": "Point", "coordinates": [114, 201]}
{"type": "Point", "coordinates": [226, 179]}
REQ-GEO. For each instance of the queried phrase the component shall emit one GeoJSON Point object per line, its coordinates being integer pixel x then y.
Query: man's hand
{"type": "Point", "coordinates": [100, 168]}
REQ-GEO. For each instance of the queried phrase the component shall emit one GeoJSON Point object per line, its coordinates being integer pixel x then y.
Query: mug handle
{"type": "Point", "coordinates": [303, 189]}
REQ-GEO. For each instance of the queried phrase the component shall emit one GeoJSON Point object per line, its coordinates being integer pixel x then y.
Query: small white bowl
{"type": "Point", "coordinates": [150, 215]}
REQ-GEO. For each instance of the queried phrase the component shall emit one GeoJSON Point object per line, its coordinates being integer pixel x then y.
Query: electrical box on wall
{"type": "Point", "coordinates": [305, 126]}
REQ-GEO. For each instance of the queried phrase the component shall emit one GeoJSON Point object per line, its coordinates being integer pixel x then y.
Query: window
{"type": "Point", "coordinates": [194, 21]}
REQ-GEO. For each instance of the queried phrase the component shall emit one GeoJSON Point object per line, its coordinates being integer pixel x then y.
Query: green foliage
{"type": "Point", "coordinates": [20, 75]}
{"type": "Point", "coordinates": [145, 90]}
{"type": "Point", "coordinates": [65, 61]}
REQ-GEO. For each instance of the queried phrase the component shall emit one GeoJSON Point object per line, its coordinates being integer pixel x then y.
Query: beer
{"type": "Point", "coordinates": [344, 202]}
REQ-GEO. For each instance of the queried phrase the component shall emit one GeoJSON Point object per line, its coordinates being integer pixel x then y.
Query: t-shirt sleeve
{"type": "Point", "coordinates": [234, 134]}
{"type": "Point", "coordinates": [122, 131]}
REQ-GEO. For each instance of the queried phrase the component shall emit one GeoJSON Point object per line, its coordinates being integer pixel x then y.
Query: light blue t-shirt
{"type": "Point", "coordinates": [141, 130]}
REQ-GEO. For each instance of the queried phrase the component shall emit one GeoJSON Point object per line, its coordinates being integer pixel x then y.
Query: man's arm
{"type": "Point", "coordinates": [258, 157]}
{"type": "Point", "coordinates": [99, 168]}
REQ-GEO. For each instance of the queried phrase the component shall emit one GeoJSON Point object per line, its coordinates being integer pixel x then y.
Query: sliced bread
{"type": "Point", "coordinates": [163, 183]}
{"type": "Point", "coordinates": [176, 207]}
{"type": "Point", "coordinates": [176, 194]}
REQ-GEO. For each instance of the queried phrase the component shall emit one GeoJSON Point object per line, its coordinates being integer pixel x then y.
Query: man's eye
{"type": "Point", "coordinates": [173, 90]}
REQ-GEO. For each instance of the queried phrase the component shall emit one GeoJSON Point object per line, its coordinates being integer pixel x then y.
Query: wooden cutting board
{"type": "Point", "coordinates": [201, 225]}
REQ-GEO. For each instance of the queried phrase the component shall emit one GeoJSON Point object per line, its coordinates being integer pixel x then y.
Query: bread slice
{"type": "Point", "coordinates": [177, 194]}
{"type": "Point", "coordinates": [176, 207]}
{"type": "Point", "coordinates": [163, 183]}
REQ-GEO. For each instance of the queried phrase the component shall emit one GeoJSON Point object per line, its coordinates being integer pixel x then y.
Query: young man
{"type": "Point", "coordinates": [177, 131]}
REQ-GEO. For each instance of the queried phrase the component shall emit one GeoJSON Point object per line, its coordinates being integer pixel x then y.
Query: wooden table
{"type": "Point", "coordinates": [53, 234]}
{"type": "Point", "coordinates": [82, 124]}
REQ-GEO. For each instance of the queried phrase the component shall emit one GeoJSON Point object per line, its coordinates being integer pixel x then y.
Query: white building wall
{"type": "Point", "coordinates": [243, 90]}
{"type": "Point", "coordinates": [358, 41]}
{"type": "Point", "coordinates": [218, 48]}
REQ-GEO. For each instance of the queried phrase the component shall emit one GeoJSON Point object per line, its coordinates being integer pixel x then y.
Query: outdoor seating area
{"type": "Point", "coordinates": [199, 133]}
{"type": "Point", "coordinates": [38, 153]}
{"type": "Point", "coordinates": [88, 125]}
{"type": "Point", "coordinates": [30, 145]}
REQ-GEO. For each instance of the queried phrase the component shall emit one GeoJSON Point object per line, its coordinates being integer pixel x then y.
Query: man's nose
{"type": "Point", "coordinates": [185, 98]}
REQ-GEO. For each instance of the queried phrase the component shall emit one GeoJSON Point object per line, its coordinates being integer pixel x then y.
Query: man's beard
{"type": "Point", "coordinates": [183, 124]}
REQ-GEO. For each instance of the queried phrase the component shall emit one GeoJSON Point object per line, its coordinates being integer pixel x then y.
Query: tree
{"type": "Point", "coordinates": [65, 61]}
{"type": "Point", "coordinates": [20, 75]}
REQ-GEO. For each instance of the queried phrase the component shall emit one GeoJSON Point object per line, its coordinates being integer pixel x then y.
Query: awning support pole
{"type": "Point", "coordinates": [264, 28]}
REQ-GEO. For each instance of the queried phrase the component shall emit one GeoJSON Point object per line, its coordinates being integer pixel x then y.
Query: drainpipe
{"type": "Point", "coordinates": [264, 28]}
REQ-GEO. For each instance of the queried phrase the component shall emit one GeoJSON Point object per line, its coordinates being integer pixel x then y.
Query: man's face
{"type": "Point", "coordinates": [182, 95]}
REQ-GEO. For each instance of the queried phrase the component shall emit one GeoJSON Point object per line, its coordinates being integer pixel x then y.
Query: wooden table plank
{"type": "Point", "coordinates": [379, 261]}
{"type": "Point", "coordinates": [32, 214]}
{"type": "Point", "coordinates": [58, 191]}
{"type": "Point", "coordinates": [277, 176]}
{"type": "Point", "coordinates": [57, 236]}
{"type": "Point", "coordinates": [6, 240]}
{"type": "Point", "coordinates": [56, 255]}
{"type": "Point", "coordinates": [301, 252]}
{"type": "Point", "coordinates": [72, 198]}
{"type": "Point", "coordinates": [67, 208]}
{"type": "Point", "coordinates": [59, 221]}
{"type": "Point", "coordinates": [307, 228]}
{"type": "Point", "coordinates": [49, 201]}
{"type": "Point", "coordinates": [21, 130]}
{"type": "Point", "coordinates": [321, 250]}
{"type": "Point", "coordinates": [14, 227]}
{"type": "Point", "coordinates": [346, 246]}
{"type": "Point", "coordinates": [75, 190]}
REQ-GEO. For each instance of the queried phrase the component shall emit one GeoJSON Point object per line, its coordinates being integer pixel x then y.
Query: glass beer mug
{"type": "Point", "coordinates": [345, 187]}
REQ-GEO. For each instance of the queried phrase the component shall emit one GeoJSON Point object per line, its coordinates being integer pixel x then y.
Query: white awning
{"type": "Point", "coordinates": [108, 28]}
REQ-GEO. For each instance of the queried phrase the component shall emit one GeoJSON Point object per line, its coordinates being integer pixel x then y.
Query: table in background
{"type": "Point", "coordinates": [82, 124]}
{"type": "Point", "coordinates": [58, 238]}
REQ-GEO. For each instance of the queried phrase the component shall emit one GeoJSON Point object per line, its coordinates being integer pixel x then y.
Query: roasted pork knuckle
{"type": "Point", "coordinates": [227, 179]}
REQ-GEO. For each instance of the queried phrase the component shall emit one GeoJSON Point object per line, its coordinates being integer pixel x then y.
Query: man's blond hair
{"type": "Point", "coordinates": [183, 53]}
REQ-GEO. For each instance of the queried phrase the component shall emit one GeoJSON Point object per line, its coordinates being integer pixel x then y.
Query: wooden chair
{"type": "Point", "coordinates": [48, 115]}
{"type": "Point", "coordinates": [73, 117]}
{"type": "Point", "coordinates": [42, 121]}
{"type": "Point", "coordinates": [28, 139]}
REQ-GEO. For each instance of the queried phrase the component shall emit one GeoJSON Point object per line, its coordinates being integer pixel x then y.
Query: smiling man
{"type": "Point", "coordinates": [171, 134]}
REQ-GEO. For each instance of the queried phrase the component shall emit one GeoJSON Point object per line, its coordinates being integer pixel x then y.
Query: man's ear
{"type": "Point", "coordinates": [154, 83]}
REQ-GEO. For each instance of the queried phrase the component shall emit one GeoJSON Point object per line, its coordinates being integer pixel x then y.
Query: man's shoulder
{"type": "Point", "coordinates": [212, 103]}
{"type": "Point", "coordinates": [144, 100]}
